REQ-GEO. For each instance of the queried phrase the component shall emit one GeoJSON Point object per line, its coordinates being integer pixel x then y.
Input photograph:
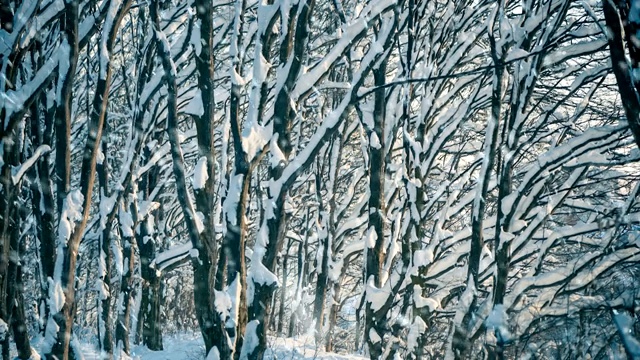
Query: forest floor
{"type": "Point", "coordinates": [189, 346]}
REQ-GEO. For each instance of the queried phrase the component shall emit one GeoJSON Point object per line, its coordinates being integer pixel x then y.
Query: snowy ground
{"type": "Point", "coordinates": [191, 347]}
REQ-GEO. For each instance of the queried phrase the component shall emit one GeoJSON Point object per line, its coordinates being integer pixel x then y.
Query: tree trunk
{"type": "Point", "coordinates": [376, 251]}
{"type": "Point", "coordinates": [283, 289]}
{"type": "Point", "coordinates": [42, 200]}
{"type": "Point", "coordinates": [333, 316]}
{"type": "Point", "coordinates": [150, 309]}
{"type": "Point", "coordinates": [200, 232]}
{"type": "Point", "coordinates": [105, 330]}
{"type": "Point", "coordinates": [291, 53]}
{"type": "Point", "coordinates": [461, 343]}
{"type": "Point", "coordinates": [623, 34]}
{"type": "Point", "coordinates": [235, 236]}
{"type": "Point", "coordinates": [322, 269]}
{"type": "Point", "coordinates": [123, 323]}
{"type": "Point", "coordinates": [19, 321]}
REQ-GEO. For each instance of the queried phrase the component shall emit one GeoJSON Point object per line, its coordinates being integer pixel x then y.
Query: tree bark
{"type": "Point", "coordinates": [150, 304]}
{"type": "Point", "coordinates": [67, 256]}
{"type": "Point", "coordinates": [105, 331]}
{"type": "Point", "coordinates": [200, 232]}
{"type": "Point", "coordinates": [123, 323]}
{"type": "Point", "coordinates": [623, 34]}
{"type": "Point", "coordinates": [377, 205]}
{"type": "Point", "coordinates": [461, 343]}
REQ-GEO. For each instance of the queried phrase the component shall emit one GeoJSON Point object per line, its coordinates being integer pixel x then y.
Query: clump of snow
{"type": "Point", "coordinates": [195, 106]}
{"type": "Point", "coordinates": [517, 54]}
{"type": "Point", "coordinates": [254, 138]}
{"type": "Point", "coordinates": [230, 205]}
{"type": "Point", "coordinates": [335, 269]}
{"type": "Point", "coordinates": [19, 171]}
{"type": "Point", "coordinates": [214, 354]}
{"type": "Point", "coordinates": [194, 253]}
{"type": "Point", "coordinates": [250, 339]}
{"type": "Point", "coordinates": [200, 174]}
{"type": "Point", "coordinates": [233, 293]}
{"type": "Point", "coordinates": [423, 257]}
{"type": "Point", "coordinates": [415, 332]}
{"type": "Point", "coordinates": [376, 296]}
{"type": "Point", "coordinates": [277, 156]}
{"type": "Point", "coordinates": [222, 303]}
{"type": "Point", "coordinates": [4, 330]}
{"type": "Point", "coordinates": [126, 223]}
{"type": "Point", "coordinates": [374, 337]}
{"type": "Point", "coordinates": [497, 317]}
{"type": "Point", "coordinates": [71, 212]}
{"type": "Point", "coordinates": [56, 296]}
{"type": "Point", "coordinates": [374, 141]}
{"type": "Point", "coordinates": [497, 320]}
{"type": "Point", "coordinates": [237, 78]}
{"type": "Point", "coordinates": [371, 238]}
{"type": "Point", "coordinates": [196, 40]}
{"type": "Point", "coordinates": [259, 274]}
{"type": "Point", "coordinates": [421, 302]}
{"type": "Point", "coordinates": [106, 206]}
{"type": "Point", "coordinates": [199, 220]}
{"type": "Point", "coordinates": [50, 334]}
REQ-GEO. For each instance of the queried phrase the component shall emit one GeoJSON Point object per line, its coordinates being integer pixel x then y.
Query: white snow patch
{"type": "Point", "coordinates": [230, 205]}
{"type": "Point", "coordinates": [126, 223]}
{"type": "Point", "coordinates": [371, 238]}
{"type": "Point", "coordinates": [195, 106]}
{"type": "Point", "coordinates": [374, 141]}
{"type": "Point", "coordinates": [277, 156]}
{"type": "Point", "coordinates": [517, 54]}
{"type": "Point", "coordinates": [254, 138]}
{"type": "Point", "coordinates": [376, 296]}
{"type": "Point", "coordinates": [19, 171]}
{"type": "Point", "coordinates": [423, 257]}
{"type": "Point", "coordinates": [199, 220]}
{"type": "Point", "coordinates": [250, 339]}
{"type": "Point", "coordinates": [415, 332]}
{"type": "Point", "coordinates": [196, 38]}
{"type": "Point", "coordinates": [222, 303]}
{"type": "Point", "coordinates": [374, 337]}
{"type": "Point", "coordinates": [498, 320]}
{"type": "Point", "coordinates": [214, 354]}
{"type": "Point", "coordinates": [200, 174]}
{"type": "Point", "coordinates": [71, 212]}
{"type": "Point", "coordinates": [421, 301]}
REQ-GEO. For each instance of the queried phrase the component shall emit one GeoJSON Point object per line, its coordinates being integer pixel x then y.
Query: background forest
{"type": "Point", "coordinates": [416, 179]}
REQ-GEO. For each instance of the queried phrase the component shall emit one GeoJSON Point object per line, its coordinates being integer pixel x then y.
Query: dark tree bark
{"type": "Point", "coordinates": [43, 202]}
{"type": "Point", "coordinates": [11, 299]}
{"type": "Point", "coordinates": [623, 34]}
{"type": "Point", "coordinates": [291, 50]}
{"type": "Point", "coordinates": [19, 320]}
{"type": "Point", "coordinates": [283, 289]}
{"type": "Point", "coordinates": [105, 328]}
{"type": "Point", "coordinates": [149, 318]}
{"type": "Point", "coordinates": [323, 267]}
{"type": "Point", "coordinates": [235, 237]}
{"type": "Point", "coordinates": [377, 173]}
{"type": "Point", "coordinates": [123, 323]}
{"type": "Point", "coordinates": [63, 164]}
